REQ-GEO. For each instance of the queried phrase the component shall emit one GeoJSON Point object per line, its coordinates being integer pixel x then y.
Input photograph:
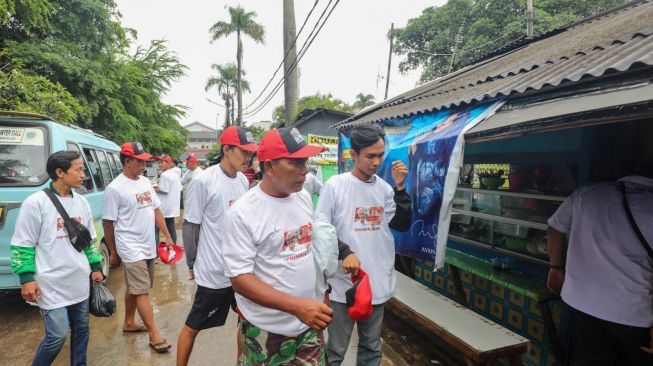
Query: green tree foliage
{"type": "Point", "coordinates": [362, 101]}
{"type": "Point", "coordinates": [81, 47]}
{"type": "Point", "coordinates": [318, 100]}
{"type": "Point", "coordinates": [225, 82]}
{"type": "Point", "coordinates": [486, 25]}
{"type": "Point", "coordinates": [242, 23]}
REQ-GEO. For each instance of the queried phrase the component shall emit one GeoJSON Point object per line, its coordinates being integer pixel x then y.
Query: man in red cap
{"type": "Point", "coordinates": [209, 197]}
{"type": "Point", "coordinates": [169, 191]}
{"type": "Point", "coordinates": [267, 251]}
{"type": "Point", "coordinates": [131, 208]}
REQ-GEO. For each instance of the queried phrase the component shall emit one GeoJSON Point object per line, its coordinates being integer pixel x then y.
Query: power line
{"type": "Point", "coordinates": [286, 55]}
{"type": "Point", "coordinates": [462, 51]}
{"type": "Point", "coordinates": [303, 51]}
{"type": "Point", "coordinates": [293, 65]}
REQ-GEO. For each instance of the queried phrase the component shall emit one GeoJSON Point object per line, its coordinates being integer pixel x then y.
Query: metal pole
{"type": "Point", "coordinates": [387, 77]}
{"type": "Point", "coordinates": [529, 16]}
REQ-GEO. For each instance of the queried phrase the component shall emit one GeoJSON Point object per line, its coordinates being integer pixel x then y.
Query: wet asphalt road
{"type": "Point", "coordinates": [21, 330]}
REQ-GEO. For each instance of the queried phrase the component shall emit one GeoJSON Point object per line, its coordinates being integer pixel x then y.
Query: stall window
{"type": "Point", "coordinates": [94, 168]}
{"type": "Point", "coordinates": [87, 184]}
{"type": "Point", "coordinates": [104, 166]}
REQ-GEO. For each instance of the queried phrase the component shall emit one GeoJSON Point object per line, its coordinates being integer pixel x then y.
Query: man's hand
{"type": "Point", "coordinates": [351, 264]}
{"type": "Point", "coordinates": [555, 280]}
{"type": "Point", "coordinates": [649, 349]}
{"type": "Point", "coordinates": [399, 173]}
{"type": "Point", "coordinates": [97, 277]}
{"type": "Point", "coordinates": [169, 241]}
{"type": "Point", "coordinates": [313, 313]}
{"type": "Point", "coordinates": [114, 260]}
{"type": "Point", "coordinates": [30, 291]}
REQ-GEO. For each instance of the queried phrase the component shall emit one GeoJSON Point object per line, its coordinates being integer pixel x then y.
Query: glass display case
{"type": "Point", "coordinates": [509, 222]}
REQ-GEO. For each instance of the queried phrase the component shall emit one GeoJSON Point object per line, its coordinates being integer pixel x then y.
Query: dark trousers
{"type": "Point", "coordinates": [597, 342]}
{"type": "Point", "coordinates": [170, 224]}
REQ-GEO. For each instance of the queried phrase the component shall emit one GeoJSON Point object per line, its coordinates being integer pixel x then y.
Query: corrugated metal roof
{"type": "Point", "coordinates": [614, 41]}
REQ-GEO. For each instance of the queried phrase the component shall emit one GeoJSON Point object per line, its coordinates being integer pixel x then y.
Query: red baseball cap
{"type": "Point", "coordinates": [285, 142]}
{"type": "Point", "coordinates": [238, 136]}
{"type": "Point", "coordinates": [192, 159]}
{"type": "Point", "coordinates": [135, 150]}
{"type": "Point", "coordinates": [166, 158]}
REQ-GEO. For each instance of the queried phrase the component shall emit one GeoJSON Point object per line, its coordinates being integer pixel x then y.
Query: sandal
{"type": "Point", "coordinates": [161, 347]}
{"type": "Point", "coordinates": [139, 328]}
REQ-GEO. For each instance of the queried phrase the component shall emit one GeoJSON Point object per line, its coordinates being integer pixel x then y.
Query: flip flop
{"type": "Point", "coordinates": [161, 347]}
{"type": "Point", "coordinates": [138, 329]}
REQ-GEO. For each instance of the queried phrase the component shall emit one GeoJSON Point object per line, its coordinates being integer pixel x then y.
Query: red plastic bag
{"type": "Point", "coordinates": [359, 297]}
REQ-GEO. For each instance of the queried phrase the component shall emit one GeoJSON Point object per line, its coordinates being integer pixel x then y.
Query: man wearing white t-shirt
{"type": "Point", "coordinates": [54, 275]}
{"type": "Point", "coordinates": [267, 250]}
{"type": "Point", "coordinates": [209, 198]}
{"type": "Point", "coordinates": [169, 192]}
{"type": "Point", "coordinates": [606, 275]}
{"type": "Point", "coordinates": [189, 236]}
{"type": "Point", "coordinates": [312, 185]}
{"type": "Point", "coordinates": [131, 209]}
{"type": "Point", "coordinates": [363, 208]}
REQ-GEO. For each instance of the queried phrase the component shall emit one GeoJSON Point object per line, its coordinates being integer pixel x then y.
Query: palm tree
{"type": "Point", "coordinates": [362, 101]}
{"type": "Point", "coordinates": [242, 22]}
{"type": "Point", "coordinates": [226, 83]}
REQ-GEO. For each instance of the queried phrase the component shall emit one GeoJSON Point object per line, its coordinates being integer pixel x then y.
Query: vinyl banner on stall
{"type": "Point", "coordinates": [431, 146]}
{"type": "Point", "coordinates": [330, 155]}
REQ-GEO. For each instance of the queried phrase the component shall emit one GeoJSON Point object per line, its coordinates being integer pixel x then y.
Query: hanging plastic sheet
{"type": "Point", "coordinates": [431, 145]}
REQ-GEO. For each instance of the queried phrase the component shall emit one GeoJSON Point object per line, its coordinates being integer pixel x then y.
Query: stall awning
{"type": "Point", "coordinates": [603, 106]}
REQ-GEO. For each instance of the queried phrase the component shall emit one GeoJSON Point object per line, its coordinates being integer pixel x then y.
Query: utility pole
{"type": "Point", "coordinates": [291, 78]}
{"type": "Point", "coordinates": [529, 16]}
{"type": "Point", "coordinates": [456, 43]}
{"type": "Point", "coordinates": [387, 76]}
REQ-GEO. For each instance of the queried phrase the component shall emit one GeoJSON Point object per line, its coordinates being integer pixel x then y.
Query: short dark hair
{"type": "Point", "coordinates": [60, 160]}
{"type": "Point", "coordinates": [123, 158]}
{"type": "Point", "coordinates": [366, 135]}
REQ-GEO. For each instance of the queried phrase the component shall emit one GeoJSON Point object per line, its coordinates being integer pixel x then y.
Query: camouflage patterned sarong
{"type": "Point", "coordinates": [269, 349]}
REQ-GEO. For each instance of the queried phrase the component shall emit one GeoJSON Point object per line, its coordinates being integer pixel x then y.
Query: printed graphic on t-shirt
{"type": "Point", "coordinates": [297, 242]}
{"type": "Point", "coordinates": [144, 199]}
{"type": "Point", "coordinates": [60, 225]}
{"type": "Point", "coordinates": [368, 218]}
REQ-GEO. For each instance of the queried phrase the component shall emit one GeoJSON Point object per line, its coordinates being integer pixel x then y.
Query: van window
{"type": "Point", "coordinates": [114, 163]}
{"type": "Point", "coordinates": [94, 168]}
{"type": "Point", "coordinates": [87, 184]}
{"type": "Point", "coordinates": [104, 166]}
{"type": "Point", "coordinates": [23, 153]}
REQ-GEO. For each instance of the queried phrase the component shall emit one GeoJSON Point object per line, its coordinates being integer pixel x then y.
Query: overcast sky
{"type": "Point", "coordinates": [344, 59]}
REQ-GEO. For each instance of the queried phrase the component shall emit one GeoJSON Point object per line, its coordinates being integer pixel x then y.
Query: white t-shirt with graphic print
{"type": "Point", "coordinates": [131, 204]}
{"type": "Point", "coordinates": [62, 272]}
{"type": "Point", "coordinates": [361, 212]}
{"type": "Point", "coordinates": [209, 198]}
{"type": "Point", "coordinates": [271, 238]}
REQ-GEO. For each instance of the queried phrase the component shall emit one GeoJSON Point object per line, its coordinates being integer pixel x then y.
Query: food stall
{"type": "Point", "coordinates": [542, 117]}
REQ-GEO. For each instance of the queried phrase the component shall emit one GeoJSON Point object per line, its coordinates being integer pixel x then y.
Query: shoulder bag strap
{"type": "Point", "coordinates": [633, 223]}
{"type": "Point", "coordinates": [57, 204]}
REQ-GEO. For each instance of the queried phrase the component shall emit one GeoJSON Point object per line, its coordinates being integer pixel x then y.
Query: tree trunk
{"type": "Point", "coordinates": [232, 109]}
{"type": "Point", "coordinates": [226, 115]}
{"type": "Point", "coordinates": [291, 82]}
{"type": "Point", "coordinates": [239, 91]}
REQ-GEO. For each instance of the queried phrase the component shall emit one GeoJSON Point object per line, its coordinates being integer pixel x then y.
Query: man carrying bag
{"type": "Point", "coordinates": [57, 279]}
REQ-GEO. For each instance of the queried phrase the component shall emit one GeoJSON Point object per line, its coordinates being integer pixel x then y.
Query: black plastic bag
{"type": "Point", "coordinates": [102, 303]}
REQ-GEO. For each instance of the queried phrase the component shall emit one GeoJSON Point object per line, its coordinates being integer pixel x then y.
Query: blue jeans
{"type": "Point", "coordinates": [57, 322]}
{"type": "Point", "coordinates": [369, 336]}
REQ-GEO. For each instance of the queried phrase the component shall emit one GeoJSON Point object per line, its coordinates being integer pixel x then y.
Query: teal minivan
{"type": "Point", "coordinates": [26, 141]}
